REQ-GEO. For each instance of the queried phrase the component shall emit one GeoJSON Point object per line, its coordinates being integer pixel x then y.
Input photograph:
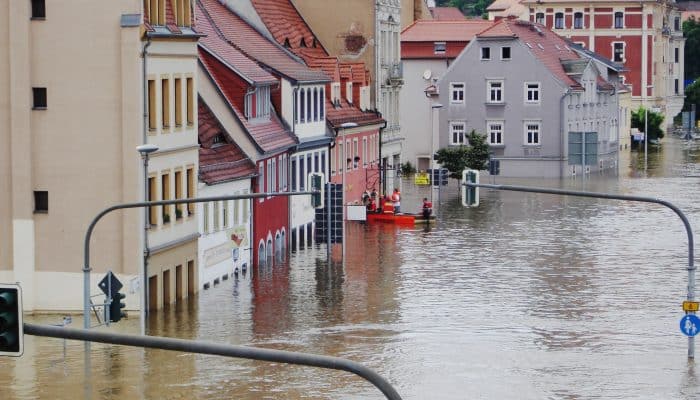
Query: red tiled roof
{"type": "Point", "coordinates": [329, 65]}
{"type": "Point", "coordinates": [269, 135]}
{"type": "Point", "coordinates": [550, 48]}
{"type": "Point", "coordinates": [349, 113]}
{"type": "Point", "coordinates": [215, 44]}
{"type": "Point", "coordinates": [446, 13]}
{"type": "Point", "coordinates": [219, 162]}
{"type": "Point", "coordinates": [447, 31]}
{"type": "Point", "coordinates": [254, 45]}
{"type": "Point", "coordinates": [287, 25]}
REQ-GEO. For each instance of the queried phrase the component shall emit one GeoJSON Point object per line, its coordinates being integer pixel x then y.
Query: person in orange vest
{"type": "Point", "coordinates": [388, 206]}
{"type": "Point", "coordinates": [427, 208]}
{"type": "Point", "coordinates": [396, 198]}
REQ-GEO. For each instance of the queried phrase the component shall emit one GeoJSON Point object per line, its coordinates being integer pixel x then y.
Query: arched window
{"type": "Point", "coordinates": [278, 247]}
{"type": "Point", "coordinates": [262, 257]}
{"type": "Point", "coordinates": [269, 252]}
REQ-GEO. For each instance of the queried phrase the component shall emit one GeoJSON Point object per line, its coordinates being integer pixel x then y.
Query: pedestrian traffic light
{"type": "Point", "coordinates": [115, 307]}
{"type": "Point", "coordinates": [11, 328]}
{"type": "Point", "coordinates": [470, 194]}
{"type": "Point", "coordinates": [315, 185]}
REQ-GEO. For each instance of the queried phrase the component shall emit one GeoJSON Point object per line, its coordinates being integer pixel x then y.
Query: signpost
{"type": "Point", "coordinates": [690, 325]}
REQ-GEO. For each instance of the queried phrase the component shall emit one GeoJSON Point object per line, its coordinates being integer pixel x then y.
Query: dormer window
{"type": "Point", "coordinates": [156, 11]}
{"type": "Point", "coordinates": [440, 47]}
{"type": "Point", "coordinates": [182, 12]}
{"type": "Point", "coordinates": [218, 140]}
{"type": "Point", "coordinates": [539, 18]}
{"type": "Point", "coordinates": [286, 43]}
{"type": "Point", "coordinates": [302, 43]}
{"type": "Point", "coordinates": [257, 104]}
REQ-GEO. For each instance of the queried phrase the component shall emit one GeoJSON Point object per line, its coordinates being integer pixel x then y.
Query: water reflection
{"type": "Point", "coordinates": [525, 297]}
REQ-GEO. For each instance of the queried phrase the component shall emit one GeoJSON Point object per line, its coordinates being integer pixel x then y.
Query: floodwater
{"type": "Point", "coordinates": [528, 296]}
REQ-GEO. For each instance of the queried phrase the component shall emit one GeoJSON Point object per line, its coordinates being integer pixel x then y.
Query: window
{"type": "Point", "coordinates": [323, 163]}
{"type": "Point", "coordinates": [165, 98]}
{"type": "Point", "coordinates": [257, 105]}
{"type": "Point", "coordinates": [224, 214]}
{"type": "Point", "coordinates": [273, 173]}
{"type": "Point", "coordinates": [619, 20]}
{"type": "Point", "coordinates": [532, 92]}
{"type": "Point", "coordinates": [456, 93]}
{"type": "Point", "coordinates": [236, 212]}
{"type": "Point", "coordinates": [151, 104]}
{"type": "Point", "coordinates": [559, 20]}
{"type": "Point", "coordinates": [364, 152]}
{"type": "Point", "coordinates": [182, 13]}
{"type": "Point", "coordinates": [261, 179]}
{"type": "Point", "coordinates": [677, 23]}
{"type": "Point", "coordinates": [676, 86]}
{"type": "Point", "coordinates": [152, 211]}
{"type": "Point", "coordinates": [178, 102]}
{"type": "Point", "coordinates": [539, 18]}
{"type": "Point", "coordinates": [302, 175]}
{"type": "Point", "coordinates": [190, 189]}
{"type": "Point", "coordinates": [457, 132]}
{"type": "Point", "coordinates": [316, 104]}
{"type": "Point", "coordinates": [322, 104]}
{"type": "Point", "coordinates": [495, 132]}
{"type": "Point", "coordinates": [41, 201]}
{"type": "Point", "coordinates": [578, 20]}
{"type": "Point", "coordinates": [309, 104]}
{"type": "Point", "coordinates": [165, 195]}
{"type": "Point", "coordinates": [39, 98]}
{"type": "Point", "coordinates": [205, 217]}
{"type": "Point", "coordinates": [340, 157]}
{"type": "Point", "coordinates": [440, 47]}
{"type": "Point", "coordinates": [38, 9]}
{"type": "Point", "coordinates": [215, 214]}
{"type": "Point", "coordinates": [190, 102]}
{"type": "Point", "coordinates": [294, 174]}
{"type": "Point", "coordinates": [505, 53]}
{"type": "Point", "coordinates": [485, 53]}
{"type": "Point", "coordinates": [495, 91]}
{"type": "Point", "coordinates": [156, 12]}
{"type": "Point", "coordinates": [302, 101]}
{"type": "Point", "coordinates": [355, 153]}
{"type": "Point", "coordinates": [619, 51]}
{"type": "Point", "coordinates": [676, 55]}
{"type": "Point", "coordinates": [178, 194]}
{"type": "Point", "coordinates": [532, 133]}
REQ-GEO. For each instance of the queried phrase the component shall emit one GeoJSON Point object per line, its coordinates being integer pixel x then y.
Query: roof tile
{"type": "Point", "coordinates": [446, 31]}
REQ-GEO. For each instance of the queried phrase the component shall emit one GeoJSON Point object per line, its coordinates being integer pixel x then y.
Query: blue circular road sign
{"type": "Point", "coordinates": [690, 325]}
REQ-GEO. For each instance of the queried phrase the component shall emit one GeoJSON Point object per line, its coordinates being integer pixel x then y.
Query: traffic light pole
{"type": "Point", "coordinates": [91, 227]}
{"type": "Point", "coordinates": [227, 350]}
{"type": "Point", "coordinates": [691, 267]}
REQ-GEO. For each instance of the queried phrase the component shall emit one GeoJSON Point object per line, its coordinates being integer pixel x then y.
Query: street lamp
{"type": "Point", "coordinates": [145, 150]}
{"type": "Point", "coordinates": [433, 108]}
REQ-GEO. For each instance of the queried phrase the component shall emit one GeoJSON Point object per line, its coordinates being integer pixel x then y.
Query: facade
{"type": "Point", "coordinates": [555, 115]}
{"type": "Point", "coordinates": [225, 226]}
{"type": "Point", "coordinates": [72, 115]}
{"type": "Point", "coordinates": [427, 50]}
{"type": "Point", "coordinates": [645, 36]}
{"type": "Point", "coordinates": [349, 31]}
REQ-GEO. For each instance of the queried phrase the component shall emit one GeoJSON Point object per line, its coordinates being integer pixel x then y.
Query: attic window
{"type": "Point", "coordinates": [313, 43]}
{"type": "Point", "coordinates": [286, 43]}
{"type": "Point", "coordinates": [218, 139]}
{"type": "Point", "coordinates": [440, 47]}
{"type": "Point", "coordinates": [302, 43]}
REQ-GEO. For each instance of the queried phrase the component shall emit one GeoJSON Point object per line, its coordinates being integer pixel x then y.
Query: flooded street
{"type": "Point", "coordinates": [527, 296]}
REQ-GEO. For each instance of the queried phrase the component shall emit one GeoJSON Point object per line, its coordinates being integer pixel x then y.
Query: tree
{"type": "Point", "coordinates": [692, 96]}
{"type": "Point", "coordinates": [655, 121]}
{"type": "Point", "coordinates": [457, 159]}
{"type": "Point", "coordinates": [691, 31]}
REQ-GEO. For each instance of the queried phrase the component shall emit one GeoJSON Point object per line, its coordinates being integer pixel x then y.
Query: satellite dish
{"type": "Point", "coordinates": [427, 74]}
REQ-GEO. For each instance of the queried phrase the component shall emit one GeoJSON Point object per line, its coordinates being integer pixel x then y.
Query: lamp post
{"type": "Point", "coordinates": [145, 150]}
{"type": "Point", "coordinates": [646, 124]}
{"type": "Point", "coordinates": [433, 108]}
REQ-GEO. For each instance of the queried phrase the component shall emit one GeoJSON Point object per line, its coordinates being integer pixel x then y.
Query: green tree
{"type": "Point", "coordinates": [473, 156]}
{"type": "Point", "coordinates": [655, 121]}
{"type": "Point", "coordinates": [691, 31]}
{"type": "Point", "coordinates": [692, 96]}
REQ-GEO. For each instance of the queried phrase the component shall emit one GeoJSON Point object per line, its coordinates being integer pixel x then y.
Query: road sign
{"type": "Point", "coordinates": [691, 305]}
{"type": "Point", "coordinates": [690, 325]}
{"type": "Point", "coordinates": [116, 285]}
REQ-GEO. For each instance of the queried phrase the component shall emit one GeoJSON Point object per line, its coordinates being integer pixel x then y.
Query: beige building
{"type": "Point", "coordinates": [71, 115]}
{"type": "Point", "coordinates": [369, 31]}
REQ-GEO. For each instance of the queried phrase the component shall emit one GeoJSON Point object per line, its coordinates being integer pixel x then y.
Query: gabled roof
{"type": "Point", "coordinates": [548, 47]}
{"type": "Point", "coordinates": [603, 60]}
{"type": "Point", "coordinates": [444, 31]}
{"type": "Point", "coordinates": [288, 26]}
{"type": "Point", "coordinates": [253, 44]}
{"type": "Point", "coordinates": [215, 44]}
{"type": "Point", "coordinates": [446, 13]}
{"type": "Point", "coordinates": [219, 162]}
{"type": "Point", "coordinates": [269, 135]}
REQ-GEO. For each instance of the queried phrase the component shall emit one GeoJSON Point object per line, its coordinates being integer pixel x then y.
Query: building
{"type": "Point", "coordinates": [225, 227]}
{"type": "Point", "coordinates": [555, 115]}
{"type": "Point", "coordinates": [645, 36]}
{"type": "Point", "coordinates": [506, 8]}
{"type": "Point", "coordinates": [427, 50]}
{"type": "Point", "coordinates": [368, 31]}
{"type": "Point", "coordinates": [72, 110]}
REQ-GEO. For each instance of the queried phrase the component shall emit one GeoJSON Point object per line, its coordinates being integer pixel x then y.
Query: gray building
{"type": "Point", "coordinates": [547, 109]}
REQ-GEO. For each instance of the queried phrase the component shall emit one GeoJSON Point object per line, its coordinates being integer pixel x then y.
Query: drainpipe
{"type": "Point", "coordinates": [146, 224]}
{"type": "Point", "coordinates": [563, 131]}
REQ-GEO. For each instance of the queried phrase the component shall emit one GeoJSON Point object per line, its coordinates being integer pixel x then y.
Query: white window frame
{"type": "Point", "coordinates": [624, 48]}
{"type": "Point", "coordinates": [454, 89]}
{"type": "Point", "coordinates": [489, 132]}
{"type": "Point", "coordinates": [453, 125]}
{"type": "Point", "coordinates": [614, 26]}
{"type": "Point", "coordinates": [481, 53]}
{"type": "Point", "coordinates": [439, 47]}
{"type": "Point", "coordinates": [528, 90]}
{"type": "Point", "coordinates": [542, 20]}
{"type": "Point", "coordinates": [501, 92]}
{"type": "Point", "coordinates": [526, 132]}
{"type": "Point", "coordinates": [510, 50]}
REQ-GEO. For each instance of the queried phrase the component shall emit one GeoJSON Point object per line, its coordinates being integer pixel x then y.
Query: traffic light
{"type": "Point", "coordinates": [11, 328]}
{"type": "Point", "coordinates": [115, 307]}
{"type": "Point", "coordinates": [316, 185]}
{"type": "Point", "coordinates": [470, 195]}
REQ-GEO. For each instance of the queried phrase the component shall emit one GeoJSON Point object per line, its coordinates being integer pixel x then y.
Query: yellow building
{"type": "Point", "coordinates": [72, 112]}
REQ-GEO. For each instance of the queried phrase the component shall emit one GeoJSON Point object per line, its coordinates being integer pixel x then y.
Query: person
{"type": "Point", "coordinates": [388, 206]}
{"type": "Point", "coordinates": [427, 208]}
{"type": "Point", "coordinates": [396, 199]}
{"type": "Point", "coordinates": [371, 205]}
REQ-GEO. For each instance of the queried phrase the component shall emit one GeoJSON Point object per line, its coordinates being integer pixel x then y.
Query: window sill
{"type": "Point", "coordinates": [41, 211]}
{"type": "Point", "coordinates": [497, 145]}
{"type": "Point", "coordinates": [37, 19]}
{"type": "Point", "coordinates": [532, 146]}
{"type": "Point", "coordinates": [39, 108]}
{"type": "Point", "coordinates": [152, 131]}
{"type": "Point", "coordinates": [533, 103]}
{"type": "Point", "coordinates": [500, 104]}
